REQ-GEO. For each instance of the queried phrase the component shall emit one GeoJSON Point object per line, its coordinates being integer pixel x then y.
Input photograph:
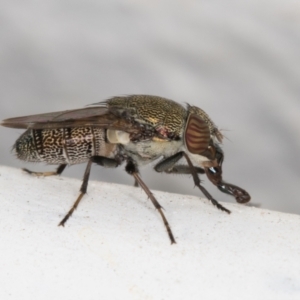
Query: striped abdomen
{"type": "Point", "coordinates": [62, 146]}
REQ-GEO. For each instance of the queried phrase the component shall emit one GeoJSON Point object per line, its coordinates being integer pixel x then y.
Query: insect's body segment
{"type": "Point", "coordinates": [166, 121]}
{"type": "Point", "coordinates": [166, 116]}
{"type": "Point", "coordinates": [63, 145]}
{"type": "Point", "coordinates": [162, 121]}
{"type": "Point", "coordinates": [137, 130]}
{"type": "Point", "coordinates": [162, 124]}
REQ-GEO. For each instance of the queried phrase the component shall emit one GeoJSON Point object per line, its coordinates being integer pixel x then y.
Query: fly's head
{"type": "Point", "coordinates": [202, 139]}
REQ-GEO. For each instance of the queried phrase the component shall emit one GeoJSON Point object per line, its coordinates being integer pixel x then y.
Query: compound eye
{"type": "Point", "coordinates": [197, 134]}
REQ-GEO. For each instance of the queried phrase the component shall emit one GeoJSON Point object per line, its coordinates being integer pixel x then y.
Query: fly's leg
{"type": "Point", "coordinates": [103, 161]}
{"type": "Point", "coordinates": [214, 174]}
{"type": "Point", "coordinates": [169, 166]}
{"type": "Point", "coordinates": [183, 169]}
{"type": "Point", "coordinates": [58, 171]}
{"type": "Point", "coordinates": [203, 190]}
{"type": "Point", "coordinates": [83, 190]}
{"type": "Point", "coordinates": [132, 169]}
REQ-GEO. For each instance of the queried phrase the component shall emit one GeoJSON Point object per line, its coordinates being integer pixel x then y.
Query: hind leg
{"type": "Point", "coordinates": [58, 171]}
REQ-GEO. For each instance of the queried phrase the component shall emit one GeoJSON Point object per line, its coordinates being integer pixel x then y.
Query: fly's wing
{"type": "Point", "coordinates": [99, 116]}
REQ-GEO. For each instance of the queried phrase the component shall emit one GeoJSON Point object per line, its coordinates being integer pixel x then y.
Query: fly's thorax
{"type": "Point", "coordinates": [147, 151]}
{"type": "Point", "coordinates": [63, 145]}
{"type": "Point", "coordinates": [166, 115]}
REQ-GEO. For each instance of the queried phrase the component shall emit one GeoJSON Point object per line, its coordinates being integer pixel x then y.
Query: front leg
{"type": "Point", "coordinates": [169, 166]}
{"type": "Point", "coordinates": [202, 188]}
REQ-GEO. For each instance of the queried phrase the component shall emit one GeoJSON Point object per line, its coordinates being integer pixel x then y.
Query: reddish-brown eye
{"type": "Point", "coordinates": [197, 134]}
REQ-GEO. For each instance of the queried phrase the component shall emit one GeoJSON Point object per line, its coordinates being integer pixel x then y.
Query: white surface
{"type": "Point", "coordinates": [115, 245]}
{"type": "Point", "coordinates": [237, 60]}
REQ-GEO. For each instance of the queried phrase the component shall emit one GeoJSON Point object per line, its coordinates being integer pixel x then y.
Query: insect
{"type": "Point", "coordinates": [134, 130]}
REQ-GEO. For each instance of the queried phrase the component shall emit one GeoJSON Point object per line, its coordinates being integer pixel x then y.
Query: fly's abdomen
{"type": "Point", "coordinates": [79, 144]}
{"type": "Point", "coordinates": [24, 147]}
{"type": "Point", "coordinates": [61, 146]}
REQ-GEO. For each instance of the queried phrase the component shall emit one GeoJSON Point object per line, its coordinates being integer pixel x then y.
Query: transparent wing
{"type": "Point", "coordinates": [98, 116]}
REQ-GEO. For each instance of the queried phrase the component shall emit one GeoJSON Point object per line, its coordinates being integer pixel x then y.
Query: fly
{"type": "Point", "coordinates": [135, 130]}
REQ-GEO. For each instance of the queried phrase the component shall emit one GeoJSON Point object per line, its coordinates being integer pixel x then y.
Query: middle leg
{"type": "Point", "coordinates": [132, 169]}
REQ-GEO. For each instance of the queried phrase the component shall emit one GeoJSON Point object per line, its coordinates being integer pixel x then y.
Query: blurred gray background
{"type": "Point", "coordinates": [237, 60]}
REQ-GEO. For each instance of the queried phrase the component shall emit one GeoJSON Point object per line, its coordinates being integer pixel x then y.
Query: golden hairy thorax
{"type": "Point", "coordinates": [154, 111]}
